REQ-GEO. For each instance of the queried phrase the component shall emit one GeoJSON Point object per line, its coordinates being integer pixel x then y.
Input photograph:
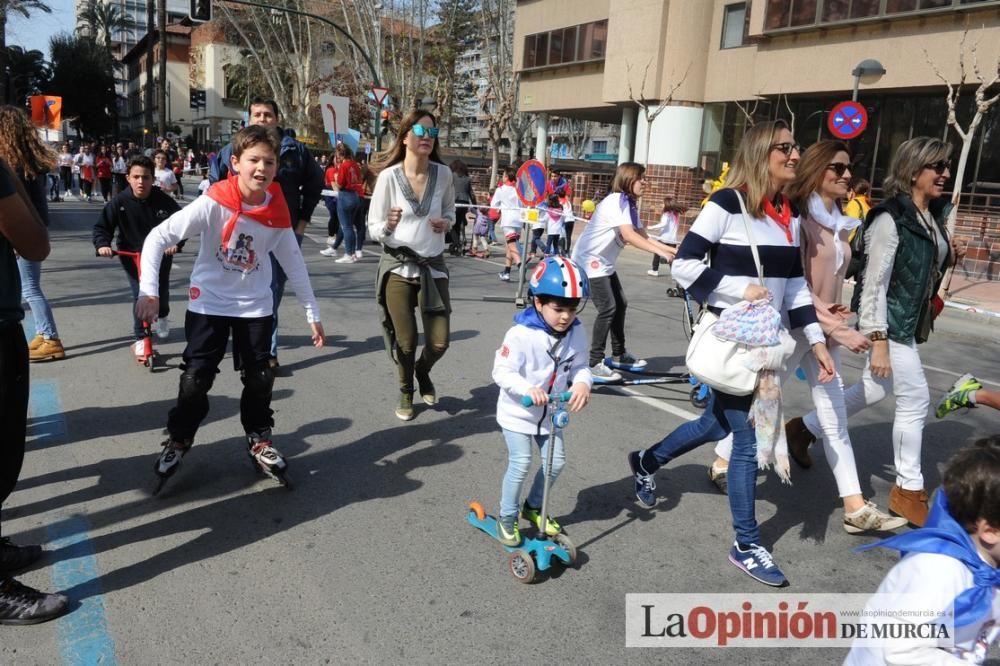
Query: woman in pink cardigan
{"type": "Point", "coordinates": [821, 181]}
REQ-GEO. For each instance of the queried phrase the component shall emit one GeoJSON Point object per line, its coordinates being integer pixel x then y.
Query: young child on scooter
{"type": "Point", "coordinates": [545, 352]}
{"type": "Point", "coordinates": [133, 213]}
{"type": "Point", "coordinates": [241, 220]}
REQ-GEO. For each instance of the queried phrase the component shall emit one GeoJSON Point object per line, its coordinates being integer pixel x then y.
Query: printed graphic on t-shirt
{"type": "Point", "coordinates": [240, 256]}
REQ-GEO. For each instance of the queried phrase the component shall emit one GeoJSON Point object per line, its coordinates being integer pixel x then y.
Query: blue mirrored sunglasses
{"type": "Point", "coordinates": [420, 131]}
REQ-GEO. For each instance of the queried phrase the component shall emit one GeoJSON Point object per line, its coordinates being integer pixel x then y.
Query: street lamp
{"type": "Point", "coordinates": [868, 71]}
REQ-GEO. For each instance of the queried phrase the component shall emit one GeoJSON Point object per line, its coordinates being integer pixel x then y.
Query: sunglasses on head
{"type": "Point", "coordinates": [787, 148]}
{"type": "Point", "coordinates": [939, 167]}
{"type": "Point", "coordinates": [420, 131]}
{"type": "Point", "coordinates": [838, 168]}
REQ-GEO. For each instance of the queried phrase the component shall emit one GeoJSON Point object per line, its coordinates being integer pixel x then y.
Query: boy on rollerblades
{"type": "Point", "coordinates": [545, 352]}
{"type": "Point", "coordinates": [241, 219]}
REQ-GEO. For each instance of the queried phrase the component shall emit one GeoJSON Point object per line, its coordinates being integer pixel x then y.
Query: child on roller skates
{"type": "Point", "coordinates": [544, 352]}
{"type": "Point", "coordinates": [241, 220]}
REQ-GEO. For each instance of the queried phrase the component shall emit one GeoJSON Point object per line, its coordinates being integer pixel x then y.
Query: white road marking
{"type": "Point", "coordinates": [658, 403]}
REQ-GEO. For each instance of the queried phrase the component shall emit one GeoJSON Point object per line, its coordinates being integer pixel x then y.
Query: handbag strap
{"type": "Point", "coordinates": [753, 245]}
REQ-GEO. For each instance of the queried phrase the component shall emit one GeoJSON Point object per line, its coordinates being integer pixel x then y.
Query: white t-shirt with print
{"type": "Point", "coordinates": [601, 242]}
{"type": "Point", "coordinates": [164, 179]}
{"type": "Point", "coordinates": [505, 198]}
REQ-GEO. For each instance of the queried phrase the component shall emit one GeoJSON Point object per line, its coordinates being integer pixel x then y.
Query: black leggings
{"type": "Point", "coordinates": [13, 405]}
{"type": "Point", "coordinates": [609, 301]}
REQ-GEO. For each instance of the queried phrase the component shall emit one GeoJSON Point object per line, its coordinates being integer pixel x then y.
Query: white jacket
{"type": "Point", "coordinates": [523, 362]}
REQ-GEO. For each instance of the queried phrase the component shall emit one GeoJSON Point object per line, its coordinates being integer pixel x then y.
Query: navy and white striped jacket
{"type": "Point", "coordinates": [719, 231]}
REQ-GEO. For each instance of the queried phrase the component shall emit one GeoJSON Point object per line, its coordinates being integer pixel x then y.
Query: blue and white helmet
{"type": "Point", "coordinates": [560, 277]}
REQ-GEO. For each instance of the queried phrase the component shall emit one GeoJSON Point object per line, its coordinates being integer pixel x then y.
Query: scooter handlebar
{"type": "Point", "coordinates": [553, 397]}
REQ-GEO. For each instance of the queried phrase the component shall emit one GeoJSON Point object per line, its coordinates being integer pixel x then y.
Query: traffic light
{"type": "Point", "coordinates": [200, 10]}
{"type": "Point", "coordinates": [384, 129]}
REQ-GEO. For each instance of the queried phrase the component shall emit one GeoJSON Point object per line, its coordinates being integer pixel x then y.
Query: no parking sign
{"type": "Point", "coordinates": [847, 120]}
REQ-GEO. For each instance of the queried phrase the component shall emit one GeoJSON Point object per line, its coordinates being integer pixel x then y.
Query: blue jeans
{"type": "Point", "coordinates": [31, 292]}
{"type": "Point", "coordinates": [133, 282]}
{"type": "Point", "coordinates": [347, 212]}
{"type": "Point", "coordinates": [724, 414]}
{"type": "Point", "coordinates": [278, 280]}
{"type": "Point", "coordinates": [518, 464]}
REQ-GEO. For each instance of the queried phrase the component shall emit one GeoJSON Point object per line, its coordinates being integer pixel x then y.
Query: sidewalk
{"type": "Point", "coordinates": [979, 295]}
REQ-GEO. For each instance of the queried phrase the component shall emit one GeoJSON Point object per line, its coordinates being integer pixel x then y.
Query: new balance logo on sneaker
{"type": "Point", "coordinates": [756, 562]}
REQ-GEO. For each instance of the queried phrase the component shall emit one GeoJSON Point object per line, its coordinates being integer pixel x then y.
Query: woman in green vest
{"type": "Point", "coordinates": [906, 253]}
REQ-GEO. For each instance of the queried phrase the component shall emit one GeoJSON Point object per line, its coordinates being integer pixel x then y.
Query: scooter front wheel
{"type": "Point", "coordinates": [564, 541]}
{"type": "Point", "coordinates": [522, 567]}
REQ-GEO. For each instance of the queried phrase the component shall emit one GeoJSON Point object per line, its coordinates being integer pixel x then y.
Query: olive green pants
{"type": "Point", "coordinates": [401, 300]}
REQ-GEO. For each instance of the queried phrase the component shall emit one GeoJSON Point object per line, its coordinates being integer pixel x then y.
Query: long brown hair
{"type": "Point", "coordinates": [749, 168]}
{"type": "Point", "coordinates": [811, 170]}
{"type": "Point", "coordinates": [397, 151]}
{"type": "Point", "coordinates": [20, 145]}
{"type": "Point", "coordinates": [625, 177]}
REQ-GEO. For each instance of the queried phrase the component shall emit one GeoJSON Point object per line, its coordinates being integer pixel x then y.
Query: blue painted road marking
{"type": "Point", "coordinates": [83, 632]}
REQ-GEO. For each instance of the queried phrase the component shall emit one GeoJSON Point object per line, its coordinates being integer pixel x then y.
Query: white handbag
{"type": "Point", "coordinates": [721, 363]}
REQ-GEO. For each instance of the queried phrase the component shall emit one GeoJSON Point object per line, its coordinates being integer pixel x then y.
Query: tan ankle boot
{"type": "Point", "coordinates": [910, 504]}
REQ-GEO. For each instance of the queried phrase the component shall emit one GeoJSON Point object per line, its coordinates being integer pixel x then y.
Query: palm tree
{"type": "Point", "coordinates": [101, 21]}
{"type": "Point", "coordinates": [24, 8]}
{"type": "Point", "coordinates": [27, 71]}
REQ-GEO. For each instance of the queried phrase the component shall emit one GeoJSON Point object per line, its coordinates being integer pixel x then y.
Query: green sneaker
{"type": "Point", "coordinates": [507, 532]}
{"type": "Point", "coordinates": [534, 516]}
{"type": "Point", "coordinates": [405, 410]}
{"type": "Point", "coordinates": [958, 395]}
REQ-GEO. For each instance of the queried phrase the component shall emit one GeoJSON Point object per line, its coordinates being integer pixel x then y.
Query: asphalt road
{"type": "Point", "coordinates": [370, 558]}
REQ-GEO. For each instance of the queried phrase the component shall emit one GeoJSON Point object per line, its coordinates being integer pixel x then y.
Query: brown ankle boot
{"type": "Point", "coordinates": [799, 438]}
{"type": "Point", "coordinates": [910, 504]}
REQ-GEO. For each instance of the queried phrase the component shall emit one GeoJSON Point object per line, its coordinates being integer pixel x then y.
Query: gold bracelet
{"type": "Point", "coordinates": [875, 336]}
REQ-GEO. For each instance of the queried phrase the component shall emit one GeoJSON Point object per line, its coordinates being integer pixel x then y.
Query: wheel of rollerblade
{"type": "Point", "coordinates": [564, 541]}
{"type": "Point", "coordinates": [522, 567]}
{"type": "Point", "coordinates": [672, 292]}
{"type": "Point", "coordinates": [150, 362]}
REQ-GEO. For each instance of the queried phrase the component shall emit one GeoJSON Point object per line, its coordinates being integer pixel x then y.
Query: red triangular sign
{"type": "Point", "coordinates": [379, 94]}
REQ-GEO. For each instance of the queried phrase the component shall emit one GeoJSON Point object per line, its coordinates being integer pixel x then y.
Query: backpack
{"type": "Point", "coordinates": [857, 252]}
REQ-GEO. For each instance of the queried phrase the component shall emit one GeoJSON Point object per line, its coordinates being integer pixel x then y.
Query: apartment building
{"type": "Point", "coordinates": [718, 61]}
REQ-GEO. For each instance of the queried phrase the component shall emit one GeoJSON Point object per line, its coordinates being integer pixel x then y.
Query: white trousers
{"type": "Point", "coordinates": [829, 416]}
{"type": "Point", "coordinates": [909, 384]}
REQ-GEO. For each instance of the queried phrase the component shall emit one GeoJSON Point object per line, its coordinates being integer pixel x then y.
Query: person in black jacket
{"type": "Point", "coordinates": [134, 212]}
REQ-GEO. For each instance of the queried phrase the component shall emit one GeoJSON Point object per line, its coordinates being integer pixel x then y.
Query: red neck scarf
{"type": "Point", "coordinates": [273, 214]}
{"type": "Point", "coordinates": [784, 218]}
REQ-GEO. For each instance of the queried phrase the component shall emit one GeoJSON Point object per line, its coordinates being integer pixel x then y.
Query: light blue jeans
{"type": "Point", "coordinates": [31, 292]}
{"type": "Point", "coordinates": [519, 462]}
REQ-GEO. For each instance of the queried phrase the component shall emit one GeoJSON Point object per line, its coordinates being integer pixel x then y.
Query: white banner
{"type": "Point", "coordinates": [334, 110]}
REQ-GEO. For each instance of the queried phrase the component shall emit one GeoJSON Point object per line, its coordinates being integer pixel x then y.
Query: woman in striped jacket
{"type": "Point", "coordinates": [764, 164]}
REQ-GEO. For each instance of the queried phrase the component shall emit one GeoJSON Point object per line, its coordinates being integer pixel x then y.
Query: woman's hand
{"type": "Point", "coordinates": [395, 215]}
{"type": "Point", "coordinates": [172, 250]}
{"type": "Point", "coordinates": [667, 253]}
{"type": "Point", "coordinates": [318, 336]}
{"type": "Point", "coordinates": [581, 396]}
{"type": "Point", "coordinates": [439, 225]}
{"type": "Point", "coordinates": [147, 308]}
{"type": "Point", "coordinates": [879, 361]}
{"type": "Point", "coordinates": [756, 292]}
{"type": "Point", "coordinates": [857, 342]}
{"type": "Point", "coordinates": [827, 371]}
{"type": "Point", "coordinates": [958, 250]}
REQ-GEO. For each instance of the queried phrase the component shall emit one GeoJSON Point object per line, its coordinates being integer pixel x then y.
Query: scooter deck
{"type": "Point", "coordinates": [541, 550]}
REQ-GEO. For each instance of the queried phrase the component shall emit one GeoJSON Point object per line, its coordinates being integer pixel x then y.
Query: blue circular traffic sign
{"type": "Point", "coordinates": [847, 120]}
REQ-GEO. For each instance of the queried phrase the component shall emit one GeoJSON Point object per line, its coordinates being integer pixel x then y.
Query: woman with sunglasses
{"type": "Point", "coordinates": [765, 163]}
{"type": "Point", "coordinates": [412, 208]}
{"type": "Point", "coordinates": [906, 252]}
{"type": "Point", "coordinates": [821, 180]}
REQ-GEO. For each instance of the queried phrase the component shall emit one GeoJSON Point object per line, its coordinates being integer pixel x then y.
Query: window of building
{"type": "Point", "coordinates": [734, 25]}
{"type": "Point", "coordinates": [782, 14]}
{"type": "Point", "coordinates": [599, 147]}
{"type": "Point", "coordinates": [578, 43]}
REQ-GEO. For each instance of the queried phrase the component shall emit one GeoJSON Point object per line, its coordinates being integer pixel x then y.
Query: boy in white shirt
{"type": "Point", "coordinates": [163, 174]}
{"type": "Point", "coordinates": [240, 220]}
{"type": "Point", "coordinates": [951, 562]}
{"type": "Point", "coordinates": [505, 199]}
{"type": "Point", "coordinates": [545, 352]}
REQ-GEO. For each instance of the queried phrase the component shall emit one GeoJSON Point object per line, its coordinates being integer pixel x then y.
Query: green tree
{"type": "Point", "coordinates": [101, 21]}
{"type": "Point", "coordinates": [24, 8]}
{"type": "Point", "coordinates": [456, 31]}
{"type": "Point", "coordinates": [83, 73]}
{"type": "Point", "coordinates": [27, 72]}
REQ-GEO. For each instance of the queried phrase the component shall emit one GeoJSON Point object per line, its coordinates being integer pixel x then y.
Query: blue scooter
{"type": "Point", "coordinates": [537, 553]}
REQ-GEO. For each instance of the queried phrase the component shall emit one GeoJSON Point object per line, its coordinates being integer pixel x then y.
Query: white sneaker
{"type": "Point", "coordinates": [869, 519]}
{"type": "Point", "coordinates": [652, 273]}
{"type": "Point", "coordinates": [139, 349]}
{"type": "Point", "coordinates": [331, 240]}
{"type": "Point", "coordinates": [359, 255]}
{"type": "Point", "coordinates": [162, 328]}
{"type": "Point", "coordinates": [328, 252]}
{"type": "Point", "coordinates": [346, 259]}
{"type": "Point", "coordinates": [603, 374]}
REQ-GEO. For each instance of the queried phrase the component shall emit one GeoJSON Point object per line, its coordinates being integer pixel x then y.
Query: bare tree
{"type": "Point", "coordinates": [499, 99]}
{"type": "Point", "coordinates": [982, 107]}
{"type": "Point", "coordinates": [576, 134]}
{"type": "Point", "coordinates": [649, 111]}
{"type": "Point", "coordinates": [520, 126]}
